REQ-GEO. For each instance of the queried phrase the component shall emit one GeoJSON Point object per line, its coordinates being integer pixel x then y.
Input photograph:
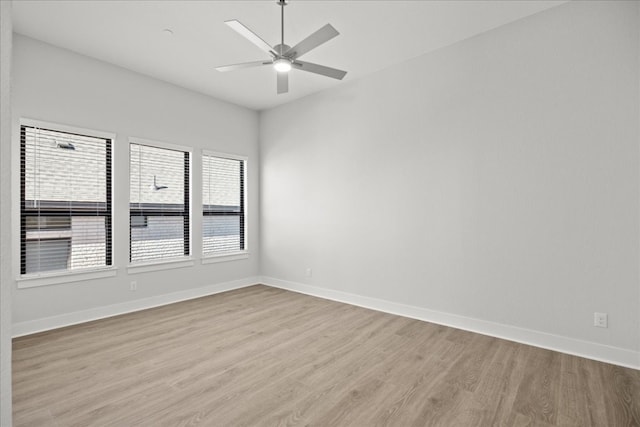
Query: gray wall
{"type": "Point", "coordinates": [6, 282]}
{"type": "Point", "coordinates": [59, 86]}
{"type": "Point", "coordinates": [495, 179]}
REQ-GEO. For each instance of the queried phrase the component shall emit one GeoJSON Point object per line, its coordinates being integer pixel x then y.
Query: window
{"type": "Point", "coordinates": [223, 200]}
{"type": "Point", "coordinates": [65, 201]}
{"type": "Point", "coordinates": [158, 203]}
{"type": "Point", "coordinates": [138, 221]}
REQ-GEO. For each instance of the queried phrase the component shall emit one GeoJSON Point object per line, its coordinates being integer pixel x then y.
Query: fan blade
{"type": "Point", "coordinates": [319, 69]}
{"type": "Point", "coordinates": [243, 65]}
{"type": "Point", "coordinates": [283, 83]}
{"type": "Point", "coordinates": [321, 36]}
{"type": "Point", "coordinates": [250, 35]}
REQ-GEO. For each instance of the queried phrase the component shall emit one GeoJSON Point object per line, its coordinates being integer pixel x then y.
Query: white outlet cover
{"type": "Point", "coordinates": [600, 320]}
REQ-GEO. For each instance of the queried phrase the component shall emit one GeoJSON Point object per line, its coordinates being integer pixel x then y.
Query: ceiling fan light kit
{"type": "Point", "coordinates": [284, 57]}
{"type": "Point", "coordinates": [282, 65]}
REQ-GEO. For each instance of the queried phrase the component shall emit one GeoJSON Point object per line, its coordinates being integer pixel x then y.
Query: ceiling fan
{"type": "Point", "coordinates": [284, 57]}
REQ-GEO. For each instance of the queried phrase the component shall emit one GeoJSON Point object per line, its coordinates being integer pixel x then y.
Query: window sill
{"type": "Point", "coordinates": [224, 258]}
{"type": "Point", "coordinates": [35, 280]}
{"type": "Point", "coordinates": [167, 264]}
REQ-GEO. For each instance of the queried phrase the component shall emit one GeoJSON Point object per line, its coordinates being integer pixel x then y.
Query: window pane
{"type": "Point", "coordinates": [221, 184]}
{"type": "Point", "coordinates": [77, 173]}
{"type": "Point", "coordinates": [138, 221]}
{"type": "Point", "coordinates": [163, 237]}
{"type": "Point", "coordinates": [48, 255]}
{"type": "Point", "coordinates": [87, 241]}
{"type": "Point", "coordinates": [157, 176]}
{"type": "Point", "coordinates": [221, 234]}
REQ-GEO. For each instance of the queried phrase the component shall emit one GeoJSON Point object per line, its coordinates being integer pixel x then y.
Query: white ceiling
{"type": "Point", "coordinates": [373, 36]}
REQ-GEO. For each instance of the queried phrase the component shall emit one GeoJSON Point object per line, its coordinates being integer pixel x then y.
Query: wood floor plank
{"type": "Point", "coordinates": [37, 418]}
{"type": "Point", "coordinates": [537, 395]}
{"type": "Point", "coordinates": [404, 408]}
{"type": "Point", "coordinates": [498, 386]}
{"type": "Point", "coordinates": [261, 356]}
{"type": "Point", "coordinates": [621, 395]}
{"type": "Point", "coordinates": [352, 406]}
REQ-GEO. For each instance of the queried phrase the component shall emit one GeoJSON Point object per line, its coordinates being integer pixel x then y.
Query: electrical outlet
{"type": "Point", "coordinates": [308, 272]}
{"type": "Point", "coordinates": [133, 286]}
{"type": "Point", "coordinates": [600, 320]}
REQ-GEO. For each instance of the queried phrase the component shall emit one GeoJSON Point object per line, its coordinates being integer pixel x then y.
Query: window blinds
{"type": "Point", "coordinates": [159, 203]}
{"type": "Point", "coordinates": [65, 201]}
{"type": "Point", "coordinates": [223, 188]}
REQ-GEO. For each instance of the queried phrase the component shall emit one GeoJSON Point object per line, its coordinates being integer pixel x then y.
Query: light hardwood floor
{"type": "Point", "coordinates": [268, 357]}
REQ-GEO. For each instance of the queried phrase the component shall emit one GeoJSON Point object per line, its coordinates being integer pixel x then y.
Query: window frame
{"type": "Point", "coordinates": [243, 253]}
{"type": "Point", "coordinates": [44, 278]}
{"type": "Point", "coordinates": [172, 262]}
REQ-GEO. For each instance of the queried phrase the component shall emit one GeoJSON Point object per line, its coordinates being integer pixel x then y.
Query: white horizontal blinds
{"type": "Point", "coordinates": [65, 209]}
{"type": "Point", "coordinates": [159, 203]}
{"type": "Point", "coordinates": [223, 222]}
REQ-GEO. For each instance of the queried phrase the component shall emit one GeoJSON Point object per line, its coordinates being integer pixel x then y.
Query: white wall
{"type": "Point", "coordinates": [5, 213]}
{"type": "Point", "coordinates": [59, 86]}
{"type": "Point", "coordinates": [493, 183]}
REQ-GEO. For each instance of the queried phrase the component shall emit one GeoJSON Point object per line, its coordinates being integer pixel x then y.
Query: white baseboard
{"type": "Point", "coordinates": [74, 318]}
{"type": "Point", "coordinates": [589, 350]}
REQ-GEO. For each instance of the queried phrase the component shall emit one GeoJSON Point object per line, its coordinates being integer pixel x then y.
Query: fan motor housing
{"type": "Point", "coordinates": [281, 48]}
